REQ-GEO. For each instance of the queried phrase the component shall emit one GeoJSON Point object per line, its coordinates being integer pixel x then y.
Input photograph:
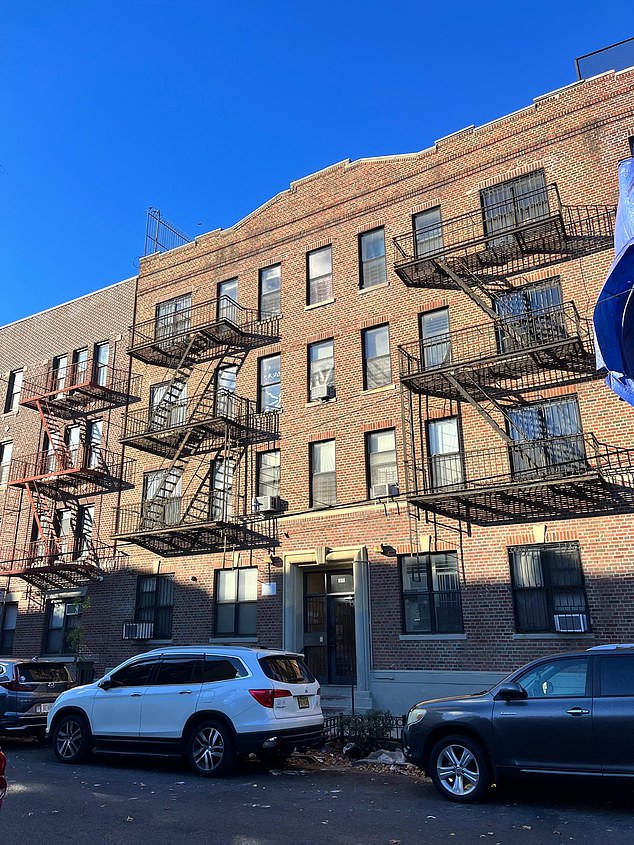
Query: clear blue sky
{"type": "Point", "coordinates": [206, 109]}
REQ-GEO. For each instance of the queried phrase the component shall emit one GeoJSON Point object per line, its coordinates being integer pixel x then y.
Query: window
{"type": "Point", "coordinates": [270, 284]}
{"type": "Point", "coordinates": [64, 531]}
{"type": "Point", "coordinates": [173, 316]}
{"type": "Point", "coordinates": [222, 493]}
{"type": "Point", "coordinates": [269, 383]}
{"type": "Point", "coordinates": [549, 439]}
{"type": "Point", "coordinates": [512, 204]}
{"type": "Point", "coordinates": [319, 272]}
{"type": "Point", "coordinates": [85, 521]}
{"type": "Point", "coordinates": [548, 588]}
{"type": "Point", "coordinates": [321, 370]}
{"type": "Point", "coordinates": [445, 456]}
{"type": "Point", "coordinates": [102, 354]}
{"type": "Point", "coordinates": [216, 669]}
{"type": "Point", "coordinates": [228, 300]}
{"type": "Point", "coordinates": [269, 473]}
{"type": "Point", "coordinates": [236, 602]}
{"type": "Point", "coordinates": [161, 498]}
{"type": "Point", "coordinates": [178, 671]}
{"type": "Point", "coordinates": [13, 391]}
{"type": "Point", "coordinates": [71, 441]}
{"type": "Point", "coordinates": [155, 603]}
{"type": "Point", "coordinates": [631, 143]}
{"type": "Point", "coordinates": [372, 258]}
{"type": "Point", "coordinates": [431, 594]}
{"type": "Point", "coordinates": [616, 675]}
{"type": "Point", "coordinates": [323, 482]}
{"type": "Point", "coordinates": [435, 339]}
{"type": "Point", "coordinates": [6, 450]}
{"type": "Point", "coordinates": [94, 435]}
{"type": "Point", "coordinates": [9, 618]}
{"type": "Point", "coordinates": [377, 369]}
{"type": "Point", "coordinates": [134, 674]}
{"type": "Point", "coordinates": [168, 405]}
{"type": "Point", "coordinates": [60, 369]}
{"type": "Point", "coordinates": [381, 456]}
{"type": "Point", "coordinates": [225, 390]}
{"type": "Point", "coordinates": [428, 232]}
{"type": "Point", "coordinates": [557, 679]}
{"type": "Point", "coordinates": [533, 315]}
{"type": "Point", "coordinates": [63, 617]}
{"type": "Point", "coordinates": [80, 366]}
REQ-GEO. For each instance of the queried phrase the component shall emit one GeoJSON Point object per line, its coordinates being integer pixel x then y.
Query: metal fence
{"type": "Point", "coordinates": [373, 729]}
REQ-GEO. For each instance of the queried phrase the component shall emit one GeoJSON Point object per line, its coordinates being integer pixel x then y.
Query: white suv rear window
{"type": "Point", "coordinates": [287, 669]}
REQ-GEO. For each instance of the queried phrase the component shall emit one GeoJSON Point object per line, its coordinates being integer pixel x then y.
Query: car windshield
{"type": "Point", "coordinates": [39, 673]}
{"type": "Point", "coordinates": [286, 668]}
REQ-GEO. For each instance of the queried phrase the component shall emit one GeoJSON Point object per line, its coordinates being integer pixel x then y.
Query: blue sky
{"type": "Point", "coordinates": [206, 110]}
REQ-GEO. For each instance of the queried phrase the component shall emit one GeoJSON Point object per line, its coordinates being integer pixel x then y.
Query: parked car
{"type": "Point", "coordinates": [28, 689]}
{"type": "Point", "coordinates": [209, 703]}
{"type": "Point", "coordinates": [565, 714]}
{"type": "Point", "coordinates": [3, 779]}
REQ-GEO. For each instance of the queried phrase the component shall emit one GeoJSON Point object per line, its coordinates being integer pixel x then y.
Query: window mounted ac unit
{"type": "Point", "coordinates": [138, 630]}
{"type": "Point", "coordinates": [571, 622]}
{"type": "Point", "coordinates": [322, 391]}
{"type": "Point", "coordinates": [384, 491]}
{"type": "Point", "coordinates": [265, 504]}
{"type": "Point", "coordinates": [73, 610]}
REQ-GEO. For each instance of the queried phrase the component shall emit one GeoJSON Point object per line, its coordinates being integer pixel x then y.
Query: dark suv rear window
{"type": "Point", "coordinates": [287, 669]}
{"type": "Point", "coordinates": [41, 673]}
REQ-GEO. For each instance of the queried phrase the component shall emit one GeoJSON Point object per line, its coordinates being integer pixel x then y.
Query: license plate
{"type": "Point", "coordinates": [303, 702]}
{"type": "Point", "coordinates": [43, 708]}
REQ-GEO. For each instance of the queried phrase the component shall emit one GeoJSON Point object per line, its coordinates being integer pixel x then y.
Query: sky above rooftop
{"type": "Point", "coordinates": [206, 110]}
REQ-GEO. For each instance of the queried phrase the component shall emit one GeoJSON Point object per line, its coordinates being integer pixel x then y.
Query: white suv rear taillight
{"type": "Point", "coordinates": [266, 697]}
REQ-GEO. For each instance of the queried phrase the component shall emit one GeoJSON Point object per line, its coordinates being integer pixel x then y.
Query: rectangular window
{"type": "Point", "coordinates": [548, 437]}
{"type": "Point", "coordinates": [155, 603]}
{"type": "Point", "coordinates": [228, 300]}
{"type": "Point", "coordinates": [9, 618]}
{"type": "Point", "coordinates": [513, 204]}
{"type": "Point", "coordinates": [323, 479]}
{"type": "Point", "coordinates": [381, 458]}
{"type": "Point", "coordinates": [236, 593]}
{"type": "Point", "coordinates": [221, 504]}
{"type": "Point", "coordinates": [319, 275]}
{"type": "Point", "coordinates": [63, 617]}
{"type": "Point", "coordinates": [168, 405]}
{"type": "Point", "coordinates": [435, 338]}
{"type": "Point", "coordinates": [445, 456]}
{"type": "Point", "coordinates": [270, 286]}
{"type": "Point", "coordinates": [6, 450]}
{"type": "Point", "coordinates": [173, 317]}
{"type": "Point", "coordinates": [631, 143]}
{"type": "Point", "coordinates": [431, 594]}
{"type": "Point", "coordinates": [161, 498]}
{"type": "Point", "coordinates": [269, 383]}
{"type": "Point", "coordinates": [321, 370]}
{"type": "Point", "coordinates": [377, 367]}
{"type": "Point", "coordinates": [85, 521]}
{"type": "Point", "coordinates": [72, 442]}
{"type": "Point", "coordinates": [225, 390]}
{"type": "Point", "coordinates": [13, 391]}
{"type": "Point", "coordinates": [372, 258]}
{"type": "Point", "coordinates": [548, 588]}
{"type": "Point", "coordinates": [60, 371]}
{"type": "Point", "coordinates": [64, 531]}
{"type": "Point", "coordinates": [428, 232]}
{"type": "Point", "coordinates": [80, 366]}
{"type": "Point", "coordinates": [94, 436]}
{"type": "Point", "coordinates": [269, 473]}
{"type": "Point", "coordinates": [102, 355]}
{"type": "Point", "coordinates": [530, 316]}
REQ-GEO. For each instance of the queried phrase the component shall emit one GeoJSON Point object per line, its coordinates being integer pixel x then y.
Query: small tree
{"type": "Point", "coordinates": [76, 636]}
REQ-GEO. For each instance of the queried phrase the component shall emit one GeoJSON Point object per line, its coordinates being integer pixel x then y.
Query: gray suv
{"type": "Point", "coordinates": [565, 714]}
{"type": "Point", "coordinates": [28, 689]}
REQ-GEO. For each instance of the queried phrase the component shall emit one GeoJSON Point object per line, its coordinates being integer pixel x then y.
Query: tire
{"type": "Point", "coordinates": [71, 738]}
{"type": "Point", "coordinates": [210, 749]}
{"type": "Point", "coordinates": [460, 769]}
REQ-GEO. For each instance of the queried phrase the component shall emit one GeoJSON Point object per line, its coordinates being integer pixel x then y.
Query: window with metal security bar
{"type": "Point", "coordinates": [377, 365]}
{"type": "Point", "coordinates": [173, 317]}
{"type": "Point", "coordinates": [372, 258]}
{"type": "Point", "coordinates": [6, 451]}
{"type": "Point", "coordinates": [155, 603]}
{"type": "Point", "coordinates": [269, 473]}
{"type": "Point", "coordinates": [548, 439]}
{"type": "Point", "coordinates": [269, 384]}
{"type": "Point", "coordinates": [9, 617]}
{"type": "Point", "coordinates": [445, 455]}
{"type": "Point", "coordinates": [513, 204]}
{"type": "Point", "coordinates": [427, 232]}
{"type": "Point", "coordinates": [382, 469]}
{"type": "Point", "coordinates": [435, 339]}
{"type": "Point", "coordinates": [13, 391]}
{"type": "Point", "coordinates": [323, 477]}
{"type": "Point", "coordinates": [228, 300]}
{"type": "Point", "coordinates": [319, 275]}
{"type": "Point", "coordinates": [270, 287]}
{"type": "Point", "coordinates": [63, 616]}
{"type": "Point", "coordinates": [549, 593]}
{"type": "Point", "coordinates": [321, 370]}
{"type": "Point", "coordinates": [530, 316]}
{"type": "Point", "coordinates": [431, 593]}
{"type": "Point", "coordinates": [236, 593]}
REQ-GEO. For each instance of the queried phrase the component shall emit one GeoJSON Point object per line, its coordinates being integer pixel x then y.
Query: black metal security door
{"type": "Point", "coordinates": [329, 640]}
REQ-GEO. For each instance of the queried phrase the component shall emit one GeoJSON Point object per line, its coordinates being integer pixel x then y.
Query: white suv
{"type": "Point", "coordinates": [210, 703]}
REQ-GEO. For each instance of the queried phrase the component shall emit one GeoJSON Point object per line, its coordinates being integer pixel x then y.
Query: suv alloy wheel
{"type": "Point", "coordinates": [459, 768]}
{"type": "Point", "coordinates": [210, 749]}
{"type": "Point", "coordinates": [71, 738]}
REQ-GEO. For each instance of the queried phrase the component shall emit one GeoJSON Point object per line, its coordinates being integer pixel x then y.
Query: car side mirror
{"type": "Point", "coordinates": [105, 683]}
{"type": "Point", "coordinates": [511, 692]}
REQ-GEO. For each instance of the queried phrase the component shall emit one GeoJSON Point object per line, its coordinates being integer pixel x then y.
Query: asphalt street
{"type": "Point", "coordinates": [136, 801]}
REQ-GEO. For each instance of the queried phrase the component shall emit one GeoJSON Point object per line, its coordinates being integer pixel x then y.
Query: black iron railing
{"type": "Point", "coordinates": [75, 463]}
{"type": "Point", "coordinates": [89, 379]}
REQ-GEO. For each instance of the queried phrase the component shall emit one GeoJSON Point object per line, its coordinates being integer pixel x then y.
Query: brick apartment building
{"type": "Point", "coordinates": [369, 425]}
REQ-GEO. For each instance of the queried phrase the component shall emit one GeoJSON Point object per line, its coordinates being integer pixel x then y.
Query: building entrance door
{"type": "Point", "coordinates": [329, 640]}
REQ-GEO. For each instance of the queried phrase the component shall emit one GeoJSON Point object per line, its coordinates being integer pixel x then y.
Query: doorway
{"type": "Point", "coordinates": [329, 629]}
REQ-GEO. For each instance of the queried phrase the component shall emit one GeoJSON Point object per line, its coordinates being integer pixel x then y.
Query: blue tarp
{"type": "Point", "coordinates": [614, 311]}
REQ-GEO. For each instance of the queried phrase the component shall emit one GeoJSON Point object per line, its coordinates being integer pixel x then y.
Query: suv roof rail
{"type": "Point", "coordinates": [611, 646]}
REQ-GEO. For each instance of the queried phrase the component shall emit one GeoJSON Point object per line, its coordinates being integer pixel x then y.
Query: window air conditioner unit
{"type": "Point", "coordinates": [265, 504]}
{"type": "Point", "coordinates": [322, 391]}
{"type": "Point", "coordinates": [73, 609]}
{"type": "Point", "coordinates": [571, 622]}
{"type": "Point", "coordinates": [384, 491]}
{"type": "Point", "coordinates": [138, 630]}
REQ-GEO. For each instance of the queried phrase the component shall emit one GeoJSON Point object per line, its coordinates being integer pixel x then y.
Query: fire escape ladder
{"type": "Point", "coordinates": [61, 455]}
{"type": "Point", "coordinates": [409, 463]}
{"type": "Point", "coordinates": [474, 287]}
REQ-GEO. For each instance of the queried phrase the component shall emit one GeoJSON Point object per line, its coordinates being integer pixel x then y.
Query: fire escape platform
{"type": "Point", "coordinates": [78, 478]}
{"type": "Point", "coordinates": [80, 393]}
{"type": "Point", "coordinates": [196, 538]}
{"type": "Point", "coordinates": [51, 570]}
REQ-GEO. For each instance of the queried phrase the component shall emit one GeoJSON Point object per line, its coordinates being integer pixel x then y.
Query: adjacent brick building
{"type": "Point", "coordinates": [369, 425]}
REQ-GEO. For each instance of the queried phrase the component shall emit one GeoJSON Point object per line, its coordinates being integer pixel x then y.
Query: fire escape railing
{"type": "Point", "coordinates": [70, 465]}
{"type": "Point", "coordinates": [76, 383]}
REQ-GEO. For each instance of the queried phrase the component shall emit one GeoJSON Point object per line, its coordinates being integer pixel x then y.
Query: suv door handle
{"type": "Point", "coordinates": [135, 695]}
{"type": "Point", "coordinates": [578, 711]}
{"type": "Point", "coordinates": [185, 692]}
